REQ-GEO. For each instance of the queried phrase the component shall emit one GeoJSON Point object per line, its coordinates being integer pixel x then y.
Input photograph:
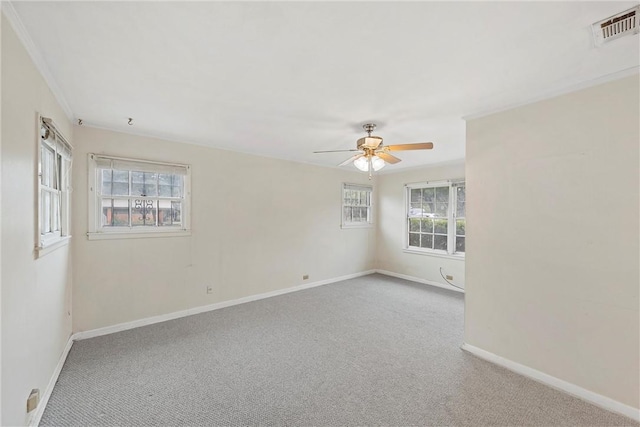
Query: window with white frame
{"type": "Point", "coordinates": [356, 205]}
{"type": "Point", "coordinates": [137, 198]}
{"type": "Point", "coordinates": [436, 218]}
{"type": "Point", "coordinates": [54, 174]}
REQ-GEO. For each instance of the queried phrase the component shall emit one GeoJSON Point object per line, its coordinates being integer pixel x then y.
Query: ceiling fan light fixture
{"type": "Point", "coordinates": [362, 163]}
{"type": "Point", "coordinates": [377, 163]}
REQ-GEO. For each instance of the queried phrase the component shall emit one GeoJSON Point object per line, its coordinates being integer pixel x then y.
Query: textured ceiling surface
{"type": "Point", "coordinates": [283, 79]}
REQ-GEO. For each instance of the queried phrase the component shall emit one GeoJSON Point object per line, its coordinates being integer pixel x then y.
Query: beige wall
{"type": "Point", "coordinates": [552, 226]}
{"type": "Point", "coordinates": [391, 227]}
{"type": "Point", "coordinates": [258, 225]}
{"type": "Point", "coordinates": [36, 293]}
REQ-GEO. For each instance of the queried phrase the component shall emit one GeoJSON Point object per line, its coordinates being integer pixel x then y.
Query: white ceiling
{"type": "Point", "coordinates": [284, 79]}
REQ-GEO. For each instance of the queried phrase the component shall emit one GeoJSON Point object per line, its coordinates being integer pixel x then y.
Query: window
{"type": "Point", "coordinates": [54, 172]}
{"type": "Point", "coordinates": [436, 218]}
{"type": "Point", "coordinates": [356, 205]}
{"type": "Point", "coordinates": [137, 198]}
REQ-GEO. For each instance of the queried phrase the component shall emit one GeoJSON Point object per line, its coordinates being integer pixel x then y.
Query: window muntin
{"type": "Point", "coordinates": [138, 196]}
{"type": "Point", "coordinates": [435, 217]}
{"type": "Point", "coordinates": [54, 171]}
{"type": "Point", "coordinates": [356, 205]}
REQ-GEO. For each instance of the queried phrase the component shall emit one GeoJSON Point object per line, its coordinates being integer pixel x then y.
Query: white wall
{"type": "Point", "coordinates": [552, 237]}
{"type": "Point", "coordinates": [391, 227]}
{"type": "Point", "coordinates": [258, 225]}
{"type": "Point", "coordinates": [36, 293]}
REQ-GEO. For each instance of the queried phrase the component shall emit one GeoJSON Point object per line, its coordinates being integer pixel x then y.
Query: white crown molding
{"type": "Point", "coordinates": [556, 383]}
{"type": "Point", "coordinates": [556, 92]}
{"type": "Point", "coordinates": [10, 12]}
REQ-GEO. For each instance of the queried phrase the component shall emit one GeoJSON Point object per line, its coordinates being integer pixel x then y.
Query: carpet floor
{"type": "Point", "coordinates": [369, 351]}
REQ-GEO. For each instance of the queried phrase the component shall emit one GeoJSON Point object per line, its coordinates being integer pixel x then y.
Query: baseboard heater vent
{"type": "Point", "coordinates": [616, 26]}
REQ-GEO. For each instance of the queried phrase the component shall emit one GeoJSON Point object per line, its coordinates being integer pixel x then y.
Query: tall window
{"type": "Point", "coordinates": [54, 173]}
{"type": "Point", "coordinates": [136, 197]}
{"type": "Point", "coordinates": [436, 217]}
{"type": "Point", "coordinates": [356, 205]}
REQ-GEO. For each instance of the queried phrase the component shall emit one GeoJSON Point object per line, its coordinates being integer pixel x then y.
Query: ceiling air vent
{"type": "Point", "coordinates": [616, 26]}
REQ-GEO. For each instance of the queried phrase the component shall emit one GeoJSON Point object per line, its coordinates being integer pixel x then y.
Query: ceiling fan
{"type": "Point", "coordinates": [372, 155]}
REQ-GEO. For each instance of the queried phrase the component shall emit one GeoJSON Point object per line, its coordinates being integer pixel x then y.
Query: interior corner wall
{"type": "Point", "coordinates": [552, 237]}
{"type": "Point", "coordinates": [36, 293]}
{"type": "Point", "coordinates": [258, 225]}
{"type": "Point", "coordinates": [391, 214]}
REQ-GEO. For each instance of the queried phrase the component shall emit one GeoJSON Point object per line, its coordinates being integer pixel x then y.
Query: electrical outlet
{"type": "Point", "coordinates": [305, 277]}
{"type": "Point", "coordinates": [33, 399]}
{"type": "Point", "coordinates": [209, 289]}
{"type": "Point", "coordinates": [449, 277]}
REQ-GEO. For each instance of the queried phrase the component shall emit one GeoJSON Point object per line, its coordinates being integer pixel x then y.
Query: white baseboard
{"type": "Point", "coordinates": [202, 309]}
{"type": "Point", "coordinates": [567, 387]}
{"type": "Point", "coordinates": [34, 419]}
{"type": "Point", "coordinates": [419, 280]}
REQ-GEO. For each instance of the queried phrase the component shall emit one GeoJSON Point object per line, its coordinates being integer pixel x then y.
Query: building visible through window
{"type": "Point", "coordinates": [136, 196]}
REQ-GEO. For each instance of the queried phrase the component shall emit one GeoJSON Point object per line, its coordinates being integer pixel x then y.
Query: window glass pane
{"type": "Point", "coordinates": [137, 183]}
{"type": "Point", "coordinates": [460, 190]}
{"type": "Point", "coordinates": [440, 226]}
{"type": "Point", "coordinates": [429, 195]}
{"type": "Point", "coordinates": [428, 209]}
{"type": "Point", "coordinates": [176, 213]}
{"type": "Point", "coordinates": [442, 194]}
{"type": "Point", "coordinates": [460, 209]}
{"type": "Point", "coordinates": [164, 185]}
{"type": "Point", "coordinates": [107, 212]}
{"type": "Point", "coordinates": [440, 242]}
{"type": "Point", "coordinates": [426, 241]}
{"type": "Point", "coordinates": [416, 210]}
{"type": "Point", "coordinates": [120, 183]}
{"type": "Point", "coordinates": [460, 227]}
{"type": "Point", "coordinates": [178, 184]}
{"type": "Point", "coordinates": [144, 212]}
{"type": "Point", "coordinates": [46, 212]}
{"type": "Point", "coordinates": [107, 175]}
{"type": "Point", "coordinates": [120, 189]}
{"type": "Point", "coordinates": [416, 196]}
{"type": "Point", "coordinates": [414, 224]}
{"type": "Point", "coordinates": [115, 212]}
{"type": "Point", "coordinates": [55, 212]}
{"type": "Point", "coordinates": [460, 244]}
{"type": "Point", "coordinates": [58, 172]}
{"type": "Point", "coordinates": [150, 184]}
{"type": "Point", "coordinates": [414, 239]}
{"type": "Point", "coordinates": [347, 214]}
{"type": "Point", "coordinates": [427, 226]}
{"type": "Point", "coordinates": [442, 209]}
{"type": "Point", "coordinates": [165, 216]}
{"type": "Point", "coordinates": [355, 212]}
{"type": "Point", "coordinates": [364, 214]}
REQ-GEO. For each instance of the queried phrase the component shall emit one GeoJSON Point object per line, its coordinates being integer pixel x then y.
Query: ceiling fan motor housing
{"type": "Point", "coordinates": [372, 142]}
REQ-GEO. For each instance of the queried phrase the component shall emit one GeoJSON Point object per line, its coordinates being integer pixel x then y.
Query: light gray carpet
{"type": "Point", "coordinates": [368, 351]}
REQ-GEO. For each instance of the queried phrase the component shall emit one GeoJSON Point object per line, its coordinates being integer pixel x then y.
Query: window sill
{"type": "Point", "coordinates": [434, 254]}
{"type": "Point", "coordinates": [52, 246]}
{"type": "Point", "coordinates": [138, 235]}
{"type": "Point", "coordinates": [367, 225]}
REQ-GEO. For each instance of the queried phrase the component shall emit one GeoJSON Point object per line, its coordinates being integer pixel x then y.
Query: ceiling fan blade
{"type": "Point", "coordinates": [334, 151]}
{"type": "Point", "coordinates": [388, 157]}
{"type": "Point", "coordinates": [416, 146]}
{"type": "Point", "coordinates": [351, 159]}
